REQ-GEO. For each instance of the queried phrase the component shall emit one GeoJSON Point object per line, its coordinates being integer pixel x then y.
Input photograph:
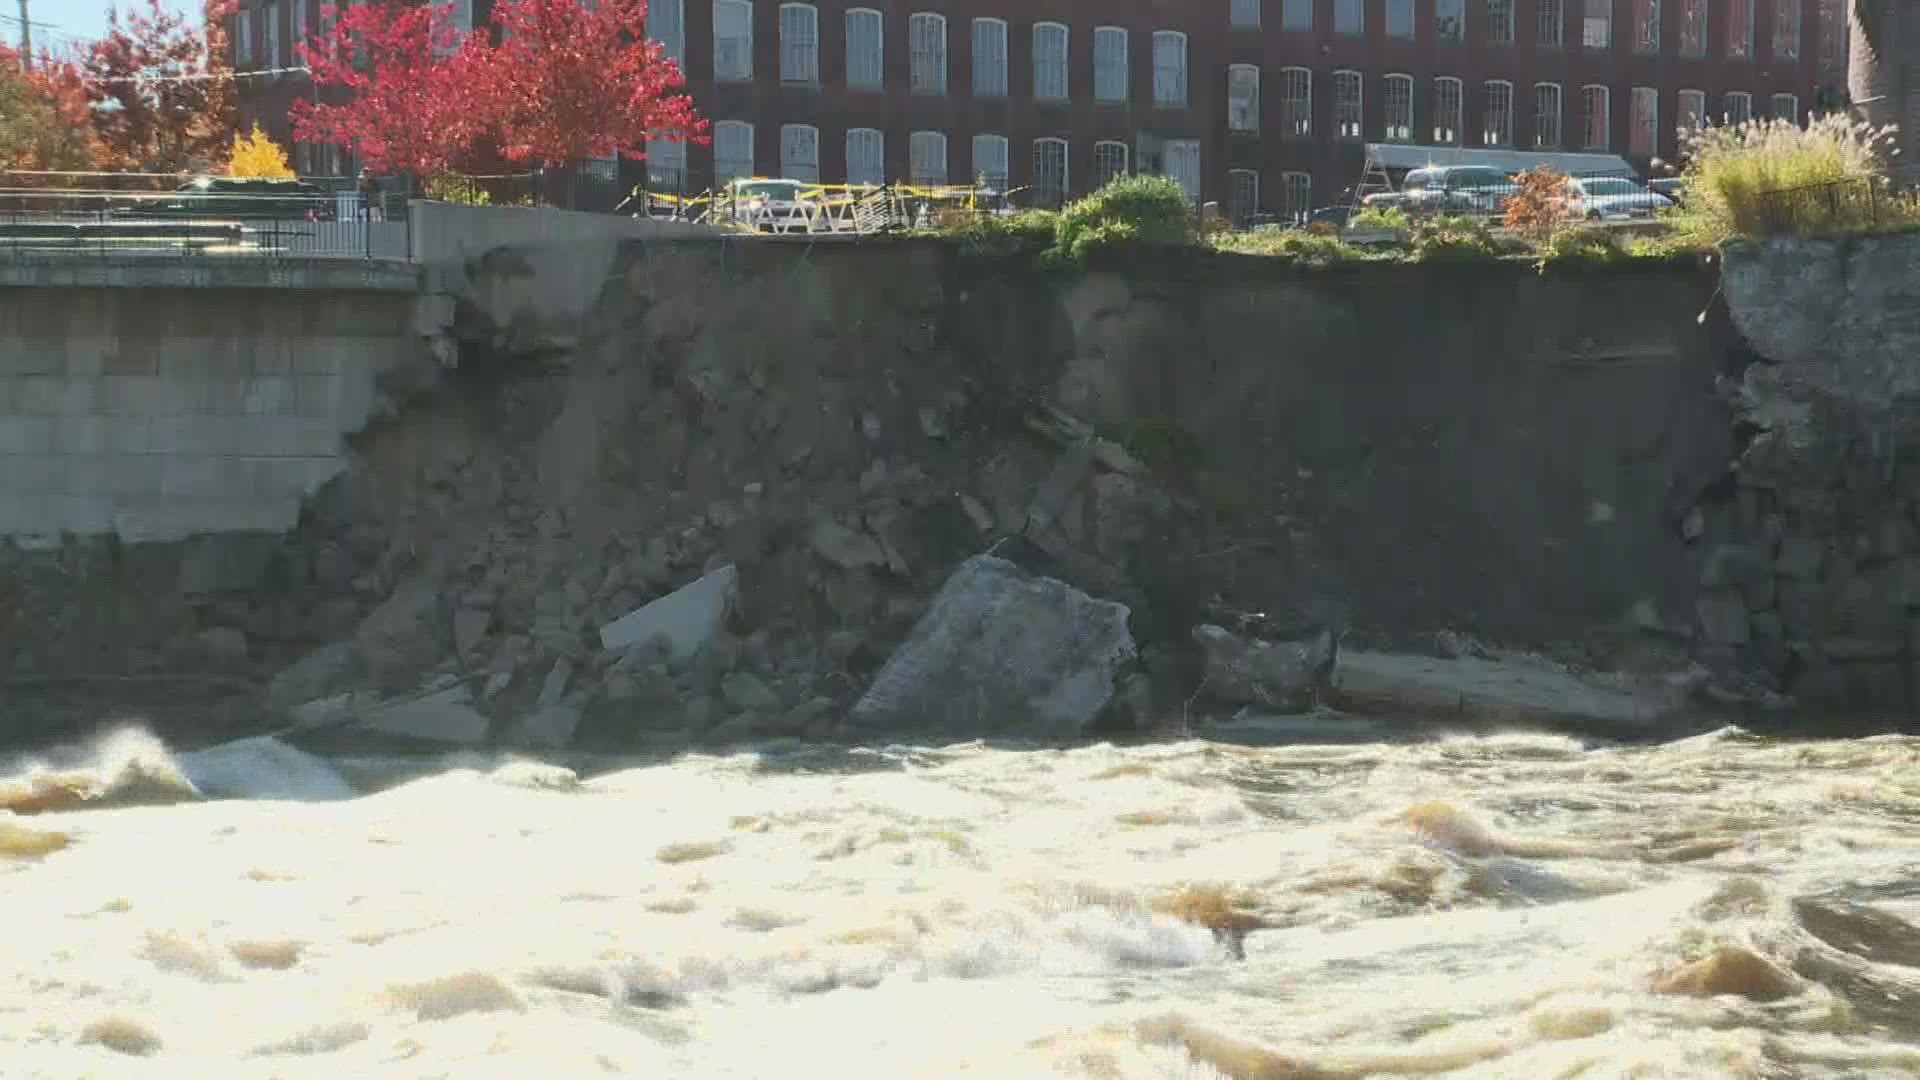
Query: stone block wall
{"type": "Point", "coordinates": [157, 413]}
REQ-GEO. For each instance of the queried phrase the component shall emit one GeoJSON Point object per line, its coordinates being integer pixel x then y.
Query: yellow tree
{"type": "Point", "coordinates": [257, 155]}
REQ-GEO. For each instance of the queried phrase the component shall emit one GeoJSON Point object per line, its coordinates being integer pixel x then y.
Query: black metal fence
{"type": "Point", "coordinates": [343, 225]}
{"type": "Point", "coordinates": [1839, 206]}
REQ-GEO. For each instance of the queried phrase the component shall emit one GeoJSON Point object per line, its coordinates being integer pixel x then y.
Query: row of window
{"type": "Point", "coordinates": [1496, 113]}
{"type": "Point", "coordinates": [733, 157]}
{"type": "Point", "coordinates": [1596, 23]}
{"type": "Point", "coordinates": [927, 44]}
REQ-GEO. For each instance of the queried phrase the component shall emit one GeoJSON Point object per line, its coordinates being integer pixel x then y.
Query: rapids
{"type": "Point", "coordinates": [1489, 906]}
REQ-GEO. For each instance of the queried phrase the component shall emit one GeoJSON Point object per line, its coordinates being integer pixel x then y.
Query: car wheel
{"type": "Point", "coordinates": [1593, 215]}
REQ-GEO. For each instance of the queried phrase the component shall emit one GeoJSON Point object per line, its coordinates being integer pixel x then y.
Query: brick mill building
{"type": "Point", "coordinates": [1257, 104]}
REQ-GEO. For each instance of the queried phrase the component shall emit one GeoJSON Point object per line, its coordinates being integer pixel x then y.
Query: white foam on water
{"type": "Point", "coordinates": [1501, 906]}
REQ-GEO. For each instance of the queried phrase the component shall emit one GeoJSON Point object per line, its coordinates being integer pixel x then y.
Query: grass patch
{"type": "Point", "coordinates": [1298, 246]}
{"type": "Point", "coordinates": [1776, 178]}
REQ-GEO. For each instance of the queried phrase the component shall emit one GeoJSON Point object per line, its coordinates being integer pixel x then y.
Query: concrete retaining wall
{"type": "Point", "coordinates": [156, 413]}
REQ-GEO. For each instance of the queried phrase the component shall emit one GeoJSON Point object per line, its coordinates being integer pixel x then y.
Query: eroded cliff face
{"type": "Point", "coordinates": [1391, 452]}
{"type": "Point", "coordinates": [1809, 553]}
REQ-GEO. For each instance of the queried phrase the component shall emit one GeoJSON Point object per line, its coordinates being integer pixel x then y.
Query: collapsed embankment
{"type": "Point", "coordinates": [1391, 451]}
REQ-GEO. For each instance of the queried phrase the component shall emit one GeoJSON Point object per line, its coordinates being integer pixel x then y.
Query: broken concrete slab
{"type": "Point", "coordinates": [261, 768]}
{"type": "Point", "coordinates": [686, 618]}
{"type": "Point", "coordinates": [402, 636]}
{"type": "Point", "coordinates": [1284, 676]}
{"type": "Point", "coordinates": [1001, 652]}
{"type": "Point", "coordinates": [1517, 690]}
{"type": "Point", "coordinates": [313, 676]}
{"type": "Point", "coordinates": [445, 716]}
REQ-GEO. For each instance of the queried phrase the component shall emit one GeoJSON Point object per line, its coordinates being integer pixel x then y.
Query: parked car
{"type": "Point", "coordinates": [237, 197]}
{"type": "Point", "coordinates": [766, 205]}
{"type": "Point", "coordinates": [1673, 187]}
{"type": "Point", "coordinates": [1611, 198]}
{"type": "Point", "coordinates": [1477, 190]}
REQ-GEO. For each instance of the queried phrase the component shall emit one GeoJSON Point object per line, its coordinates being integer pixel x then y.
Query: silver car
{"type": "Point", "coordinates": [1602, 198]}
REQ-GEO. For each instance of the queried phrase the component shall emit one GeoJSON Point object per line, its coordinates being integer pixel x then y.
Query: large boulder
{"type": "Point", "coordinates": [687, 618]}
{"type": "Point", "coordinates": [1285, 676]}
{"type": "Point", "coordinates": [261, 768]}
{"type": "Point", "coordinates": [1000, 652]}
{"type": "Point", "coordinates": [1516, 690]}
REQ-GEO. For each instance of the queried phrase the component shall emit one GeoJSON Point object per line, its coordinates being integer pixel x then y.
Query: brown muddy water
{"type": "Point", "coordinates": [1490, 906]}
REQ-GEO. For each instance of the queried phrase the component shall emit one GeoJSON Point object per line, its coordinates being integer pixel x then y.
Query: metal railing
{"type": "Point", "coordinates": [120, 223]}
{"type": "Point", "coordinates": [1837, 206]}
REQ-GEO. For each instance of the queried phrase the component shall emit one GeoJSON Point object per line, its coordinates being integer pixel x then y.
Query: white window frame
{"type": "Point", "coordinates": [666, 165]}
{"type": "Point", "coordinates": [1450, 32]}
{"type": "Point", "coordinates": [1400, 18]}
{"type": "Point", "coordinates": [1643, 128]}
{"type": "Point", "coordinates": [1296, 110]}
{"type": "Point", "coordinates": [1739, 23]}
{"type": "Point", "coordinates": [1693, 28]}
{"type": "Point", "coordinates": [927, 158]}
{"type": "Point", "coordinates": [1103, 160]}
{"type": "Point", "coordinates": [800, 44]}
{"type": "Point", "coordinates": [997, 145]}
{"type": "Point", "coordinates": [1596, 25]}
{"type": "Point", "coordinates": [732, 135]}
{"type": "Point", "coordinates": [1169, 76]}
{"type": "Point", "coordinates": [927, 45]}
{"type": "Point", "coordinates": [1832, 28]}
{"type": "Point", "coordinates": [872, 142]}
{"type": "Point", "coordinates": [1243, 114]}
{"type": "Point", "coordinates": [1792, 110]}
{"type": "Point", "coordinates": [1244, 15]}
{"type": "Point", "coordinates": [1442, 134]}
{"type": "Point", "coordinates": [1110, 64]}
{"type": "Point", "coordinates": [1184, 152]}
{"type": "Point", "coordinates": [1500, 22]}
{"type": "Point", "coordinates": [1549, 23]}
{"type": "Point", "coordinates": [1041, 192]}
{"type": "Point", "coordinates": [1242, 208]}
{"type": "Point", "coordinates": [1289, 16]}
{"type": "Point", "coordinates": [743, 70]}
{"type": "Point", "coordinates": [1296, 196]}
{"type": "Point", "coordinates": [1727, 110]}
{"type": "Point", "coordinates": [1051, 76]}
{"type": "Point", "coordinates": [1543, 137]}
{"type": "Point", "coordinates": [796, 166]}
{"type": "Point", "coordinates": [243, 39]}
{"type": "Point", "coordinates": [1786, 17]}
{"type": "Point", "coordinates": [1403, 131]}
{"type": "Point", "coordinates": [1491, 136]}
{"type": "Point", "coordinates": [666, 23]}
{"type": "Point", "coordinates": [1682, 114]}
{"type": "Point", "coordinates": [1589, 94]}
{"type": "Point", "coordinates": [1349, 117]}
{"type": "Point", "coordinates": [1646, 27]}
{"type": "Point", "coordinates": [1350, 17]}
{"type": "Point", "coordinates": [270, 32]}
{"type": "Point", "coordinates": [866, 67]}
{"type": "Point", "coordinates": [989, 58]}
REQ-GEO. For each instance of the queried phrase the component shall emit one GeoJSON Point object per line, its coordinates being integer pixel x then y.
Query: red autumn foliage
{"type": "Point", "coordinates": [567, 82]}
{"type": "Point", "coordinates": [151, 109]}
{"type": "Point", "coordinates": [417, 86]}
{"type": "Point", "coordinates": [46, 119]}
{"type": "Point", "coordinates": [1538, 203]}
{"type": "Point", "coordinates": [571, 82]}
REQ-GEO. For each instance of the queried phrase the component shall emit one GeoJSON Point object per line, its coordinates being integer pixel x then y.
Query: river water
{"type": "Point", "coordinates": [1494, 906]}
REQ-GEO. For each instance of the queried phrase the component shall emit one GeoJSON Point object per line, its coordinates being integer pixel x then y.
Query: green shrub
{"type": "Point", "coordinates": [1129, 210]}
{"type": "Point", "coordinates": [1453, 237]}
{"type": "Point", "coordinates": [1029, 230]}
{"type": "Point", "coordinates": [1589, 245]}
{"type": "Point", "coordinates": [465, 191]}
{"type": "Point", "coordinates": [1733, 170]}
{"type": "Point", "coordinates": [1392, 219]}
{"type": "Point", "coordinates": [1296, 245]}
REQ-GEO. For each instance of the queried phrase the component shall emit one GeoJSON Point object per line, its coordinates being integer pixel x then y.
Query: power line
{"type": "Point", "coordinates": [205, 76]}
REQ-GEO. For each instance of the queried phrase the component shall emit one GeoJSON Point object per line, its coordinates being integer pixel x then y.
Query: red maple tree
{"type": "Point", "coordinates": [46, 117]}
{"type": "Point", "coordinates": [571, 81]}
{"type": "Point", "coordinates": [417, 90]}
{"type": "Point", "coordinates": [160, 88]}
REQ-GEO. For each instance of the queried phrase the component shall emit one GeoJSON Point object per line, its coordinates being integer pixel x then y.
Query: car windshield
{"type": "Point", "coordinates": [1610, 187]}
{"type": "Point", "coordinates": [1417, 181]}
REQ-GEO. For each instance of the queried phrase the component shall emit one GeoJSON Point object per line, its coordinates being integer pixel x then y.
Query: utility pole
{"type": "Point", "coordinates": [26, 38]}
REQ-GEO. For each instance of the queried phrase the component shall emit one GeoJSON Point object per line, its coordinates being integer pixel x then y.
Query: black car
{"type": "Point", "coordinates": [232, 197]}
